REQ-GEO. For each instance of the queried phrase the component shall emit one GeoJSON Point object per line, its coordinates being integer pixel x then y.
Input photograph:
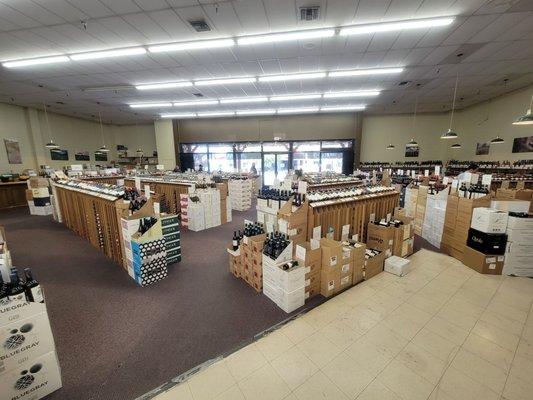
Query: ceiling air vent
{"type": "Point", "coordinates": [200, 26]}
{"type": "Point", "coordinates": [198, 94]}
{"type": "Point", "coordinates": [309, 13]}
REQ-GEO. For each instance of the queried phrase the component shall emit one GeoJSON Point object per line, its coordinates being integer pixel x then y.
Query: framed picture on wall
{"type": "Point", "coordinates": [82, 156]}
{"type": "Point", "coordinates": [412, 151]}
{"type": "Point", "coordinates": [13, 151]}
{"type": "Point", "coordinates": [59, 155]}
{"type": "Point", "coordinates": [523, 144]}
{"type": "Point", "coordinates": [482, 149]}
{"type": "Point", "coordinates": [100, 156]}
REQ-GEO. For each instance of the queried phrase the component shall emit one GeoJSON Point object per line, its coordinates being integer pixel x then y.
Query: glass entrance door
{"type": "Point", "coordinates": [275, 165]}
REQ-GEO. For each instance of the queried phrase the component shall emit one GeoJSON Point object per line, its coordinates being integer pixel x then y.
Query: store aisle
{"type": "Point", "coordinates": [116, 340]}
{"type": "Point", "coordinates": [441, 332]}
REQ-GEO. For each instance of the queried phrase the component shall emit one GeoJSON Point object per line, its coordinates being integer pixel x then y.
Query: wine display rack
{"type": "Point", "coordinates": [170, 191]}
{"type": "Point", "coordinates": [111, 180]}
{"type": "Point", "coordinates": [353, 211]}
{"type": "Point", "coordinates": [93, 217]}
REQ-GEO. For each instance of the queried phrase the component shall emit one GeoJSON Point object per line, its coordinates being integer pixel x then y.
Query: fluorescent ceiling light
{"type": "Point", "coordinates": [132, 51]}
{"type": "Point", "coordinates": [292, 77]}
{"type": "Point", "coordinates": [227, 81]}
{"type": "Point", "coordinates": [183, 115]}
{"type": "Point", "coordinates": [244, 100]}
{"type": "Point", "coordinates": [150, 105]}
{"type": "Point", "coordinates": [396, 26]}
{"type": "Point", "coordinates": [163, 85]}
{"type": "Point", "coordinates": [196, 103]}
{"type": "Point", "coordinates": [343, 108]}
{"type": "Point", "coordinates": [283, 37]}
{"type": "Point", "coordinates": [361, 72]}
{"type": "Point", "coordinates": [201, 44]}
{"type": "Point", "coordinates": [35, 61]}
{"type": "Point", "coordinates": [216, 114]}
{"type": "Point", "coordinates": [362, 93]}
{"type": "Point", "coordinates": [256, 112]}
{"type": "Point", "coordinates": [296, 97]}
{"type": "Point", "coordinates": [297, 110]}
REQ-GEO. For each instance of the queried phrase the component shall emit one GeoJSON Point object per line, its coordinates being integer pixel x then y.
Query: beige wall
{"type": "Point", "coordinates": [380, 130]}
{"type": "Point", "coordinates": [321, 126]}
{"type": "Point", "coordinates": [29, 127]}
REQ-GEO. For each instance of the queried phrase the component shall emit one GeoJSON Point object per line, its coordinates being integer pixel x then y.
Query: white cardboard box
{"type": "Point", "coordinates": [520, 249]}
{"type": "Point", "coordinates": [522, 236]}
{"type": "Point", "coordinates": [284, 280]}
{"type": "Point", "coordinates": [510, 205]}
{"type": "Point", "coordinates": [488, 220]}
{"type": "Point", "coordinates": [24, 340]}
{"type": "Point", "coordinates": [397, 265]}
{"type": "Point", "coordinates": [32, 380]}
{"type": "Point", "coordinates": [16, 309]}
{"type": "Point", "coordinates": [516, 223]}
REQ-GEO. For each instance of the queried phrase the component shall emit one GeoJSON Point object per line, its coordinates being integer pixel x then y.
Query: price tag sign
{"type": "Point", "coordinates": [372, 217]}
{"type": "Point", "coordinates": [160, 167]}
{"type": "Point", "coordinates": [413, 174]}
{"type": "Point", "coordinates": [138, 183]}
{"type": "Point", "coordinates": [426, 172]}
{"type": "Point", "coordinates": [345, 232]}
{"type": "Point", "coordinates": [437, 170]}
{"type": "Point", "coordinates": [315, 244]}
{"type": "Point", "coordinates": [317, 232]}
{"type": "Point", "coordinates": [300, 252]}
{"type": "Point", "coordinates": [147, 191]}
{"type": "Point", "coordinates": [486, 179]}
{"type": "Point", "coordinates": [302, 187]}
{"type": "Point", "coordinates": [355, 237]}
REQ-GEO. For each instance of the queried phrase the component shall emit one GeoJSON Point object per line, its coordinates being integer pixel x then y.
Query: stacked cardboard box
{"type": "Point", "coordinates": [403, 237]}
{"type": "Point", "coordinates": [518, 194]}
{"type": "Point", "coordinates": [457, 222]}
{"type": "Point", "coordinates": [240, 192]}
{"type": "Point", "coordinates": [311, 260]}
{"type": "Point", "coordinates": [252, 260]}
{"type": "Point", "coordinates": [380, 238]}
{"type": "Point", "coordinates": [292, 221]}
{"type": "Point", "coordinates": [184, 202]}
{"type": "Point", "coordinates": [195, 216]}
{"type": "Point", "coordinates": [29, 368]}
{"type": "Point", "coordinates": [420, 212]}
{"type": "Point", "coordinates": [433, 225]}
{"type": "Point", "coordinates": [172, 235]}
{"type": "Point", "coordinates": [149, 256]}
{"type": "Point", "coordinates": [519, 251]}
{"type": "Point", "coordinates": [40, 202]}
{"type": "Point", "coordinates": [235, 262]}
{"type": "Point", "coordinates": [225, 203]}
{"type": "Point", "coordinates": [286, 288]}
{"type": "Point", "coordinates": [5, 255]}
{"type": "Point", "coordinates": [330, 274]}
{"type": "Point", "coordinates": [210, 199]}
{"type": "Point", "coordinates": [411, 195]}
{"type": "Point", "coordinates": [374, 263]}
{"type": "Point", "coordinates": [267, 212]}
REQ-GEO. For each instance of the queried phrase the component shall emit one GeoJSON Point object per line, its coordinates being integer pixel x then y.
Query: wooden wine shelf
{"type": "Point", "coordinates": [94, 218]}
{"type": "Point", "coordinates": [111, 180]}
{"type": "Point", "coordinates": [13, 194]}
{"type": "Point", "coordinates": [353, 211]}
{"type": "Point", "coordinates": [169, 191]}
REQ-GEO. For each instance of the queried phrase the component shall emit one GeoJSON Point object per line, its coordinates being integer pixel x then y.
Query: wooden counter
{"type": "Point", "coordinates": [169, 191]}
{"type": "Point", "coordinates": [13, 194]}
{"type": "Point", "coordinates": [353, 211]}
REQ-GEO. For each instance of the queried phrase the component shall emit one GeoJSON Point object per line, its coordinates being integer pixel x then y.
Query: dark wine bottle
{"type": "Point", "coordinates": [15, 287]}
{"type": "Point", "coordinates": [235, 241]}
{"type": "Point", "coordinates": [34, 292]}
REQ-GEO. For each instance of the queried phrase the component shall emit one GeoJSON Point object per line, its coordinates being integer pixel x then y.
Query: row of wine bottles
{"type": "Point", "coordinates": [474, 191]}
{"type": "Point", "coordinates": [135, 198]}
{"type": "Point", "coordinates": [145, 224]}
{"type": "Point", "coordinates": [250, 229]}
{"type": "Point", "coordinates": [344, 192]}
{"type": "Point", "coordinates": [371, 253]}
{"type": "Point", "coordinates": [27, 286]}
{"type": "Point", "coordinates": [395, 223]}
{"type": "Point", "coordinates": [275, 243]}
{"type": "Point", "coordinates": [267, 193]}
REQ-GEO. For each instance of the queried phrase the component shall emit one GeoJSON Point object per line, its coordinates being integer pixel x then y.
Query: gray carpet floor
{"type": "Point", "coordinates": [116, 340]}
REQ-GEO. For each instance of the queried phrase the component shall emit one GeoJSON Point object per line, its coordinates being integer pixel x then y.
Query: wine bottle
{"type": "Point", "coordinates": [3, 289]}
{"type": "Point", "coordinates": [15, 287]}
{"type": "Point", "coordinates": [235, 241]}
{"type": "Point", "coordinates": [34, 292]}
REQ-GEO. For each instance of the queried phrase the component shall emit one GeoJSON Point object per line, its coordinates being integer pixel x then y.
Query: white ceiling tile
{"type": "Point", "coordinates": [371, 11]}
{"type": "Point", "coordinates": [408, 39]}
{"type": "Point", "coordinates": [519, 30]}
{"type": "Point", "coordinates": [271, 67]}
{"type": "Point", "coordinates": [382, 41]}
{"type": "Point", "coordinates": [94, 9]}
{"type": "Point", "coordinates": [17, 17]}
{"type": "Point", "coordinates": [340, 12]}
{"type": "Point", "coordinates": [152, 5]}
{"type": "Point", "coordinates": [97, 30]}
{"type": "Point", "coordinates": [252, 16]}
{"type": "Point", "coordinates": [469, 28]}
{"type": "Point", "coordinates": [434, 8]}
{"type": "Point", "coordinates": [144, 24]}
{"type": "Point", "coordinates": [121, 6]}
{"type": "Point", "coordinates": [402, 9]}
{"type": "Point", "coordinates": [196, 13]}
{"type": "Point", "coordinates": [34, 11]}
{"type": "Point", "coordinates": [86, 41]}
{"type": "Point", "coordinates": [171, 23]}
{"type": "Point", "coordinates": [121, 28]}
{"type": "Point", "coordinates": [35, 40]}
{"type": "Point", "coordinates": [63, 9]}
{"type": "Point", "coordinates": [395, 57]}
{"type": "Point", "coordinates": [223, 16]}
{"type": "Point", "coordinates": [281, 14]}
{"type": "Point", "coordinates": [497, 28]}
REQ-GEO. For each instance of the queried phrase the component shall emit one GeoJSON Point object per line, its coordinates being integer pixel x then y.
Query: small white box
{"type": "Point", "coordinates": [521, 236]}
{"type": "Point", "coordinates": [517, 223]}
{"type": "Point", "coordinates": [16, 309]}
{"type": "Point", "coordinates": [290, 301]}
{"type": "Point", "coordinates": [32, 380]}
{"type": "Point", "coordinates": [397, 265]}
{"type": "Point", "coordinates": [25, 339]}
{"type": "Point", "coordinates": [488, 220]}
{"type": "Point", "coordinates": [510, 205]}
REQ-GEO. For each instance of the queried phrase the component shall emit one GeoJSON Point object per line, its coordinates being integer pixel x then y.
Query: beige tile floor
{"type": "Point", "coordinates": [442, 332]}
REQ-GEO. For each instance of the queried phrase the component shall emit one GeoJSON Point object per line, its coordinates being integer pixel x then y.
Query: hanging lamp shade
{"type": "Point", "coordinates": [390, 147]}
{"type": "Point", "coordinates": [140, 151]}
{"type": "Point", "coordinates": [51, 145]}
{"type": "Point", "coordinates": [455, 146]}
{"type": "Point", "coordinates": [449, 134]}
{"type": "Point", "coordinates": [103, 149]}
{"type": "Point", "coordinates": [526, 119]}
{"type": "Point", "coordinates": [497, 140]}
{"type": "Point", "coordinates": [412, 143]}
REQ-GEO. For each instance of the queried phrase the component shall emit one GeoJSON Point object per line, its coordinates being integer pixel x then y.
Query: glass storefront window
{"type": "Point", "coordinates": [200, 159]}
{"type": "Point", "coordinates": [221, 162]}
{"type": "Point", "coordinates": [332, 162]}
{"type": "Point", "coordinates": [248, 147]}
{"type": "Point", "coordinates": [199, 148]}
{"type": "Point", "coordinates": [221, 148]}
{"type": "Point", "coordinates": [276, 146]}
{"type": "Point", "coordinates": [337, 144]}
{"type": "Point", "coordinates": [245, 161]}
{"type": "Point", "coordinates": [308, 162]}
{"type": "Point", "coordinates": [305, 146]}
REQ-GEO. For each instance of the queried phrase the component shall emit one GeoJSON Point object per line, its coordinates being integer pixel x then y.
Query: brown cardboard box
{"type": "Point", "coordinates": [358, 260]}
{"type": "Point", "coordinates": [331, 254]}
{"type": "Point", "coordinates": [223, 188]}
{"type": "Point", "coordinates": [312, 281]}
{"type": "Point", "coordinates": [374, 265]}
{"type": "Point", "coordinates": [256, 243]}
{"type": "Point", "coordinates": [223, 212]}
{"type": "Point", "coordinates": [483, 263]}
{"type": "Point", "coordinates": [346, 268]}
{"type": "Point", "coordinates": [36, 182]}
{"type": "Point", "coordinates": [380, 238]}
{"type": "Point", "coordinates": [330, 281]}
{"type": "Point", "coordinates": [294, 218]}
{"type": "Point", "coordinates": [306, 256]}
{"type": "Point", "coordinates": [29, 195]}
{"type": "Point", "coordinates": [345, 282]}
{"type": "Point", "coordinates": [312, 290]}
{"type": "Point", "coordinates": [403, 238]}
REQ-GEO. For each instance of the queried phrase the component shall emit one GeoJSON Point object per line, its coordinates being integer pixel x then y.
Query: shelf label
{"type": "Point", "coordinates": [317, 232]}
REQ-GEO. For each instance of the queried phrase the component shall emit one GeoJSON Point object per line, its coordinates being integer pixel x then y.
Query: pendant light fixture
{"type": "Point", "coordinates": [449, 134]}
{"type": "Point", "coordinates": [413, 142]}
{"type": "Point", "coordinates": [102, 149]}
{"type": "Point", "coordinates": [527, 118]}
{"type": "Point", "coordinates": [50, 145]}
{"type": "Point", "coordinates": [390, 147]}
{"type": "Point", "coordinates": [456, 146]}
{"type": "Point", "coordinates": [497, 140]}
